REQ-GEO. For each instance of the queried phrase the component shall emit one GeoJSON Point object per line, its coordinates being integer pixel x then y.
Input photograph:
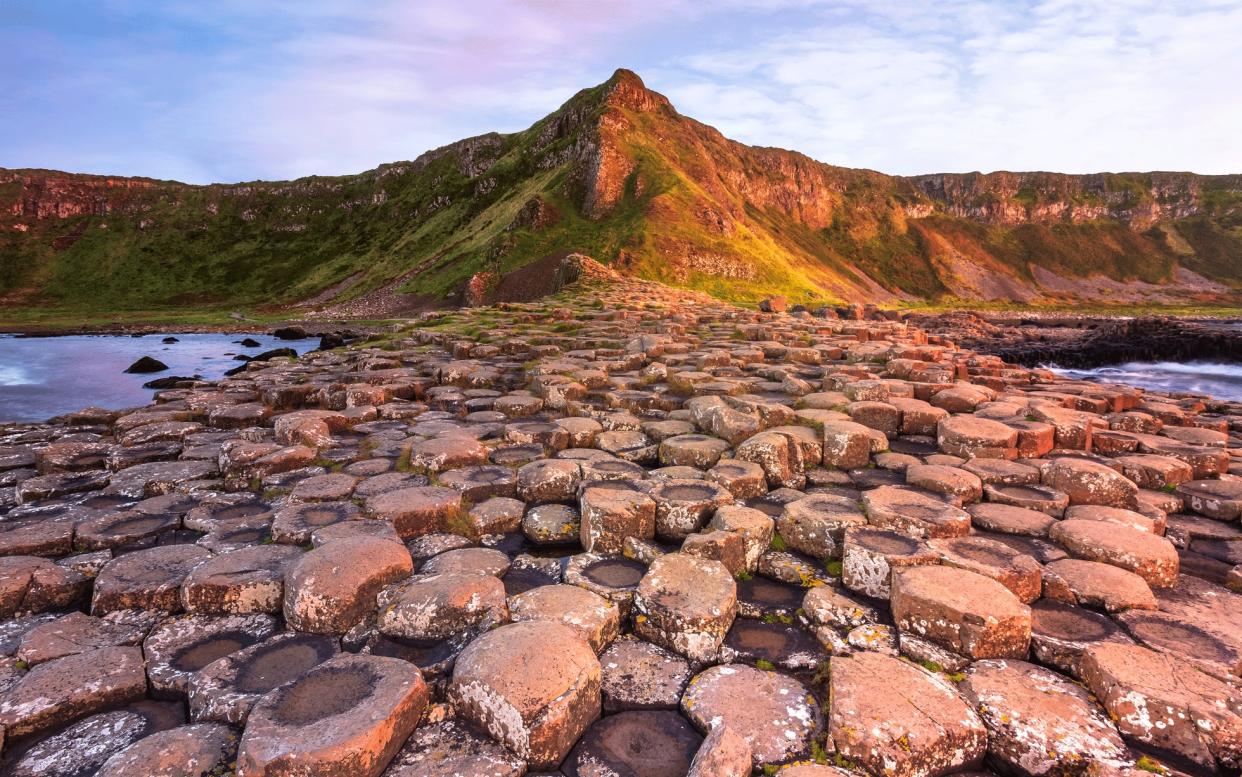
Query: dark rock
{"type": "Point", "coordinates": [289, 333]}
{"type": "Point", "coordinates": [146, 364]}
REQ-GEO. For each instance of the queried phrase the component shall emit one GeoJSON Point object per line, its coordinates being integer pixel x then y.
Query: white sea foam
{"type": "Point", "coordinates": [13, 376]}
{"type": "Point", "coordinates": [1220, 380]}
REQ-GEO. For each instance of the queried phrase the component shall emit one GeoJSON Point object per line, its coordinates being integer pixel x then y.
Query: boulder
{"type": "Point", "coordinates": [333, 587]}
{"type": "Point", "coordinates": [534, 686]}
{"type": "Point", "coordinates": [349, 715]}
{"type": "Point", "coordinates": [686, 604]}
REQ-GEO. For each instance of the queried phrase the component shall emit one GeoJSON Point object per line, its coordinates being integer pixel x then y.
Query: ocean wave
{"type": "Point", "coordinates": [14, 376]}
{"type": "Point", "coordinates": [1217, 379]}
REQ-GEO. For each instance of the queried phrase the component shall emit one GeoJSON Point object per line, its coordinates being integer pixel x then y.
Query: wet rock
{"type": "Point", "coordinates": [226, 689]}
{"type": "Point", "coordinates": [961, 611]}
{"type": "Point", "coordinates": [774, 713]}
{"type": "Point", "coordinates": [892, 717]}
{"type": "Point", "coordinates": [686, 604]}
{"type": "Point", "coordinates": [146, 364]}
{"type": "Point", "coordinates": [333, 587]}
{"type": "Point", "coordinates": [349, 715]}
{"type": "Point", "coordinates": [180, 646]}
{"type": "Point", "coordinates": [645, 743]}
{"type": "Point", "coordinates": [534, 687]}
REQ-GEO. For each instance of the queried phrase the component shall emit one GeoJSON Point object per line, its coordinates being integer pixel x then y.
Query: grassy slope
{"type": "Point", "coordinates": [246, 247]}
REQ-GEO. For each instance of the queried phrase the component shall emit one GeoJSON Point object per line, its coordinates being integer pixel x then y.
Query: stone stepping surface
{"type": "Point", "coordinates": [626, 530]}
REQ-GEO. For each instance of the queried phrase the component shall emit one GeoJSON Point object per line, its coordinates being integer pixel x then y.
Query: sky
{"type": "Point", "coordinates": [233, 90]}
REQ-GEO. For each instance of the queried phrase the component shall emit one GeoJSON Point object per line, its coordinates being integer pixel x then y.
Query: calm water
{"type": "Point", "coordinates": [41, 377]}
{"type": "Point", "coordinates": [1222, 381]}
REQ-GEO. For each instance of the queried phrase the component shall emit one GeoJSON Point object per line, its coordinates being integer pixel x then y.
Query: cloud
{"type": "Point", "coordinates": [235, 90]}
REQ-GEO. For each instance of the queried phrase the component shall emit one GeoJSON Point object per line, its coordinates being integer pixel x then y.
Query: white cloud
{"type": "Point", "coordinates": [236, 90]}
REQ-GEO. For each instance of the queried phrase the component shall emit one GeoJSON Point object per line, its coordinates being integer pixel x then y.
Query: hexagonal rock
{"type": "Point", "coordinates": [951, 481]}
{"type": "Point", "coordinates": [776, 714]}
{"type": "Point", "coordinates": [638, 675]}
{"type": "Point", "coordinates": [1040, 723]}
{"type": "Point", "coordinates": [847, 445]}
{"type": "Point", "coordinates": [333, 587]}
{"type": "Point", "coordinates": [226, 689]}
{"type": "Point", "coordinates": [653, 743]}
{"type": "Point", "coordinates": [448, 452]}
{"type": "Point", "coordinates": [779, 457]}
{"type": "Point", "coordinates": [1096, 585]}
{"type": "Point", "coordinates": [594, 618]}
{"type": "Point", "coordinates": [451, 749]}
{"type": "Point", "coordinates": [83, 747]}
{"type": "Point", "coordinates": [1010, 519]}
{"type": "Point", "coordinates": [434, 607]}
{"type": "Point", "coordinates": [534, 686]}
{"type": "Point", "coordinates": [1090, 483]}
{"type": "Point", "coordinates": [247, 580]}
{"type": "Point", "coordinates": [609, 516]}
{"type": "Point", "coordinates": [686, 604]}
{"type": "Point", "coordinates": [77, 632]}
{"type": "Point", "coordinates": [753, 525]}
{"type": "Point", "coordinates": [817, 524]}
{"type": "Point", "coordinates": [892, 717]}
{"type": "Point", "coordinates": [59, 691]}
{"type": "Point", "coordinates": [1013, 569]}
{"type": "Point", "coordinates": [961, 611]}
{"type": "Point", "coordinates": [914, 513]}
{"type": "Point", "coordinates": [325, 488]}
{"type": "Point", "coordinates": [871, 555]}
{"type": "Point", "coordinates": [497, 515]}
{"type": "Point", "coordinates": [724, 546]}
{"type": "Point", "coordinates": [549, 480]}
{"type": "Point", "coordinates": [416, 511]}
{"type": "Point", "coordinates": [1061, 633]}
{"type": "Point", "coordinates": [1165, 703]}
{"type": "Point", "coordinates": [180, 646]}
{"type": "Point", "coordinates": [1220, 499]}
{"type": "Point", "coordinates": [198, 750]}
{"type": "Point", "coordinates": [146, 579]}
{"type": "Point", "coordinates": [1150, 557]}
{"type": "Point", "coordinates": [1119, 515]}
{"type": "Point", "coordinates": [970, 437]}
{"type": "Point", "coordinates": [814, 770]}
{"type": "Point", "coordinates": [683, 506]}
{"type": "Point", "coordinates": [553, 524]}
{"type": "Point", "coordinates": [349, 715]}
{"type": "Point", "coordinates": [692, 450]}
{"type": "Point", "coordinates": [723, 753]}
{"type": "Point", "coordinates": [743, 479]}
{"type": "Point", "coordinates": [29, 584]}
{"type": "Point", "coordinates": [293, 524]}
{"type": "Point", "coordinates": [472, 561]}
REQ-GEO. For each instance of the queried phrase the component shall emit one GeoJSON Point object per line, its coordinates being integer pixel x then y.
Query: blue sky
{"type": "Point", "coordinates": [231, 90]}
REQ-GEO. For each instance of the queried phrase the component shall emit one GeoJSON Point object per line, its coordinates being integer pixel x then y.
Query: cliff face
{"type": "Point", "coordinates": [618, 174]}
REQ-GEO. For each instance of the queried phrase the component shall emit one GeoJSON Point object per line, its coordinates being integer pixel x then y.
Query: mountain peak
{"type": "Point", "coordinates": [626, 90]}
